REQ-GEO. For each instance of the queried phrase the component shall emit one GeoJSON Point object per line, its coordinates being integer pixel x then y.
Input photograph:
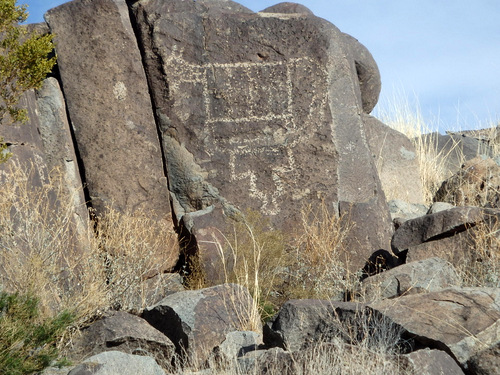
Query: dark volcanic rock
{"type": "Point", "coordinates": [198, 320]}
{"type": "Point", "coordinates": [432, 362]}
{"type": "Point", "coordinates": [416, 277]}
{"type": "Point", "coordinates": [460, 321]}
{"type": "Point", "coordinates": [110, 109]}
{"type": "Point", "coordinates": [368, 74]}
{"type": "Point", "coordinates": [125, 333]}
{"type": "Point", "coordinates": [267, 124]}
{"type": "Point", "coordinates": [477, 183]}
{"type": "Point", "coordinates": [435, 226]}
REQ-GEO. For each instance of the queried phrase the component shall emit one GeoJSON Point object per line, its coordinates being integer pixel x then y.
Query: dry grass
{"type": "Point", "coordinates": [406, 118]}
{"type": "Point", "coordinates": [320, 257]}
{"type": "Point", "coordinates": [311, 263]}
{"type": "Point", "coordinates": [481, 267]}
{"type": "Point", "coordinates": [41, 254]}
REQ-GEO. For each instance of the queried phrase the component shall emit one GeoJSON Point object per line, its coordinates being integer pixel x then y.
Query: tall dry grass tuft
{"type": "Point", "coordinates": [312, 264]}
{"type": "Point", "coordinates": [42, 255]}
{"type": "Point", "coordinates": [253, 255]}
{"type": "Point", "coordinates": [319, 269]}
{"type": "Point", "coordinates": [406, 118]}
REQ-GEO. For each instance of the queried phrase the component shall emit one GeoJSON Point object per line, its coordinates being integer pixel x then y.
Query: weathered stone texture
{"type": "Point", "coordinates": [461, 321]}
{"type": "Point", "coordinates": [198, 320]}
{"type": "Point", "coordinates": [125, 333]}
{"type": "Point", "coordinates": [267, 124]}
{"type": "Point", "coordinates": [109, 106]}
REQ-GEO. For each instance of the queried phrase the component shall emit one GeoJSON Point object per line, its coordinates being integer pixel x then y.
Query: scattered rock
{"type": "Point", "coordinates": [236, 345]}
{"type": "Point", "coordinates": [435, 226]}
{"type": "Point", "coordinates": [476, 184]}
{"type": "Point", "coordinates": [402, 211]}
{"type": "Point", "coordinates": [439, 206]}
{"type": "Point", "coordinates": [126, 333]}
{"type": "Point", "coordinates": [453, 149]}
{"type": "Point", "coordinates": [198, 320]}
{"type": "Point", "coordinates": [486, 362]}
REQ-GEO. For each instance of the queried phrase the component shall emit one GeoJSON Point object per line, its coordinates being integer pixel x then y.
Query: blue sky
{"type": "Point", "coordinates": [443, 56]}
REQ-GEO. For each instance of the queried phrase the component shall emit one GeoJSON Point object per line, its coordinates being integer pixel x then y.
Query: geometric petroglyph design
{"type": "Point", "coordinates": [253, 94]}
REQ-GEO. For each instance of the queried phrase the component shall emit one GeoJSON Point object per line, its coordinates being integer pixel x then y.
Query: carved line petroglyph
{"type": "Point", "coordinates": [182, 73]}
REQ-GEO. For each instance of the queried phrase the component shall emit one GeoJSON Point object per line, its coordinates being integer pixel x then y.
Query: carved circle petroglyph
{"type": "Point", "coordinates": [252, 94]}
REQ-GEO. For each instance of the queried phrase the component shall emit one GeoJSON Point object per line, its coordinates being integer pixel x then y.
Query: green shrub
{"type": "Point", "coordinates": [27, 343]}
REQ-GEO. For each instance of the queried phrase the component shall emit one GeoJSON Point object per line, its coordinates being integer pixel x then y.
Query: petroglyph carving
{"type": "Point", "coordinates": [238, 98]}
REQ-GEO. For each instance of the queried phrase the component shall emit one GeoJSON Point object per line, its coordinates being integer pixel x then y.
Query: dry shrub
{"type": "Point", "coordinates": [312, 264]}
{"type": "Point", "coordinates": [135, 248]}
{"type": "Point", "coordinates": [42, 255]}
{"type": "Point", "coordinates": [253, 255]}
{"type": "Point", "coordinates": [320, 257]}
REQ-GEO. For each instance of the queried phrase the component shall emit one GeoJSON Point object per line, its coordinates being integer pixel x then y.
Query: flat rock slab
{"type": "Point", "coordinates": [460, 321]}
{"type": "Point", "coordinates": [198, 320]}
{"type": "Point", "coordinates": [258, 110]}
{"type": "Point", "coordinates": [125, 333]}
{"type": "Point", "coordinates": [110, 109]}
{"type": "Point", "coordinates": [435, 226]}
{"type": "Point", "coordinates": [423, 276]}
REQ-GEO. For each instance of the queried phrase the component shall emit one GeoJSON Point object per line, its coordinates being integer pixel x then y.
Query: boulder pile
{"type": "Point", "coordinates": [199, 112]}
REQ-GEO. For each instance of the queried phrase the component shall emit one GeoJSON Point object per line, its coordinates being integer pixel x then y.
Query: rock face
{"type": "Point", "coordinates": [197, 321]}
{"type": "Point", "coordinates": [267, 124]}
{"type": "Point", "coordinates": [461, 321]}
{"type": "Point", "coordinates": [110, 110]}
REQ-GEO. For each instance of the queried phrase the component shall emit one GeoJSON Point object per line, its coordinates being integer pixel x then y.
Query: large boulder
{"type": "Point", "coordinates": [460, 321]}
{"type": "Point", "coordinates": [197, 321]}
{"type": "Point", "coordinates": [109, 106]}
{"type": "Point", "coordinates": [260, 111]}
{"type": "Point", "coordinates": [368, 74]}
{"type": "Point", "coordinates": [302, 324]}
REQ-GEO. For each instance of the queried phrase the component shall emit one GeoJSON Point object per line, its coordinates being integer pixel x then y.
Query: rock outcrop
{"type": "Point", "coordinates": [197, 112]}
{"type": "Point", "coordinates": [109, 106]}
